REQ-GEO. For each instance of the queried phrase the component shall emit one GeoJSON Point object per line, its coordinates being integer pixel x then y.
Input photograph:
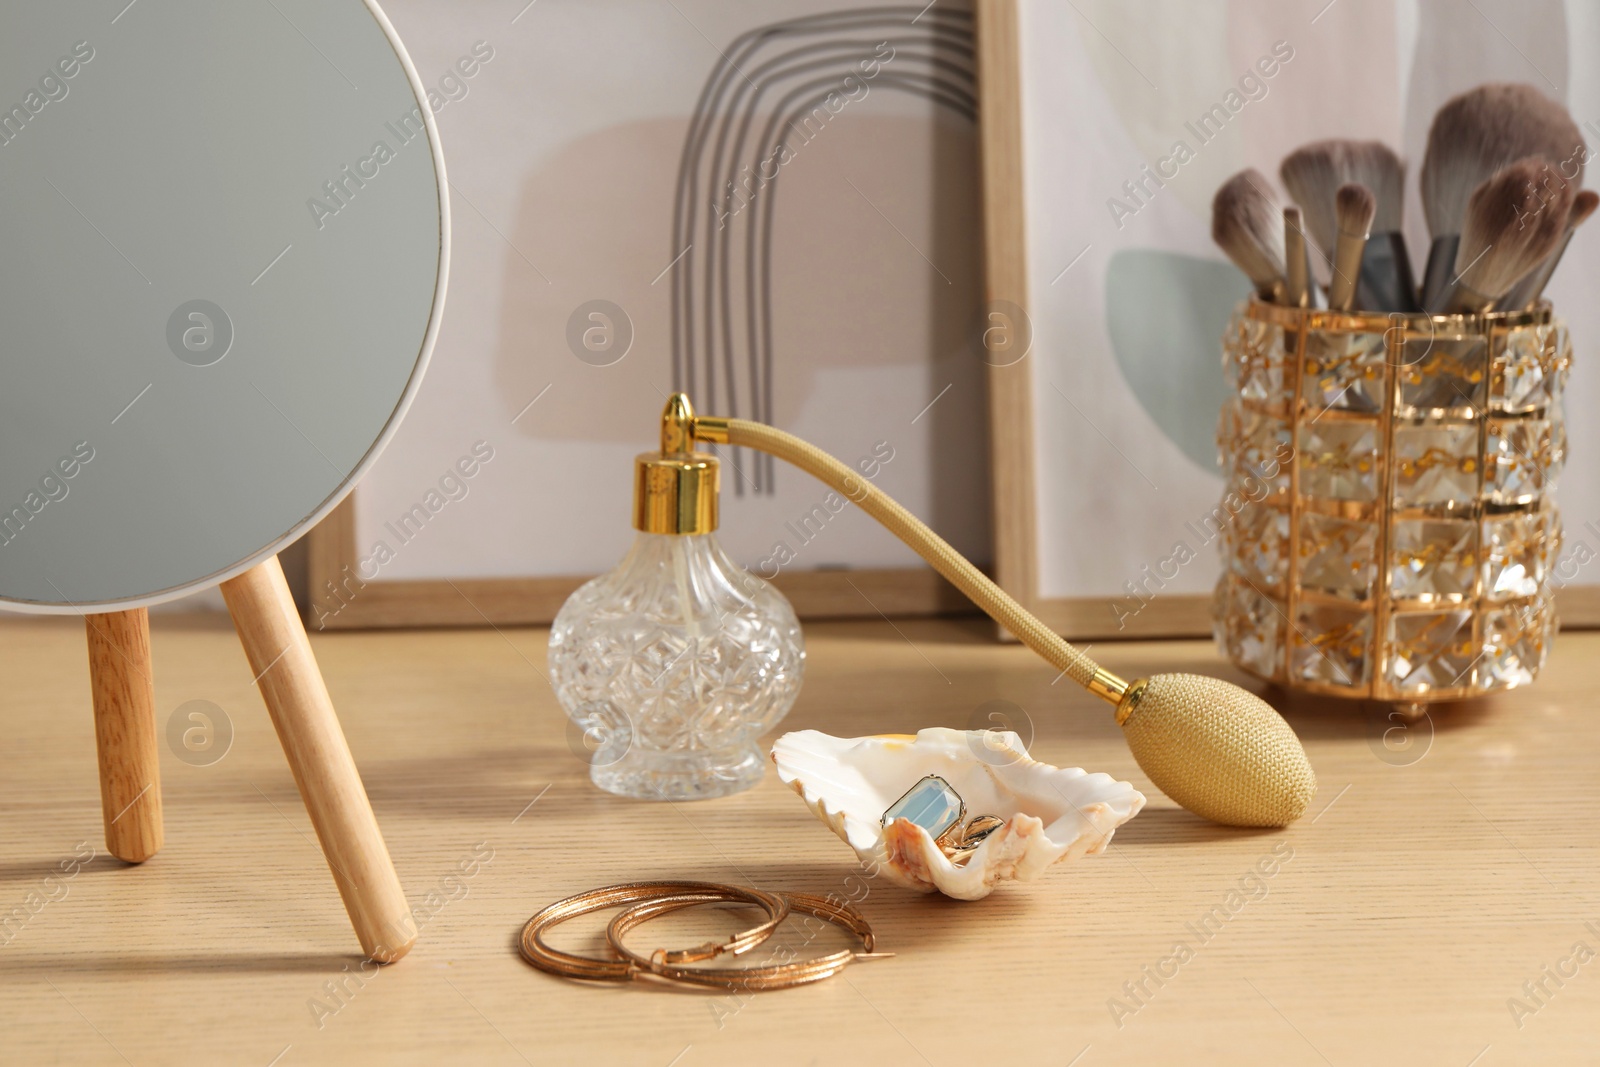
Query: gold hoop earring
{"type": "Point", "coordinates": [570, 965]}
{"type": "Point", "coordinates": [772, 976]}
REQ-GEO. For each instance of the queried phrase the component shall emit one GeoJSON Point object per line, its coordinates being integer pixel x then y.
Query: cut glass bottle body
{"type": "Point", "coordinates": [672, 665]}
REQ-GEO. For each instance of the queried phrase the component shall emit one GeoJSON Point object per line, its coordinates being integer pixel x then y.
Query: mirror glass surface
{"type": "Point", "coordinates": [220, 255]}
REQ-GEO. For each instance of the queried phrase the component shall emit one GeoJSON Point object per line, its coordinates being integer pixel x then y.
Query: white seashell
{"type": "Point", "coordinates": [1050, 813]}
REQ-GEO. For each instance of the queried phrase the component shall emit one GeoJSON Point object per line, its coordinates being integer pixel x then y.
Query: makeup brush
{"type": "Point", "coordinates": [1354, 207]}
{"type": "Point", "coordinates": [1299, 288]}
{"type": "Point", "coordinates": [1313, 173]}
{"type": "Point", "coordinates": [1247, 225]}
{"type": "Point", "coordinates": [1526, 293]}
{"type": "Point", "coordinates": [1473, 136]}
{"type": "Point", "coordinates": [1508, 231]}
{"type": "Point", "coordinates": [1386, 282]}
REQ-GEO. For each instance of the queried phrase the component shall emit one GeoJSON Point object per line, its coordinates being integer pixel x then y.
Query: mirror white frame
{"type": "Point", "coordinates": [215, 577]}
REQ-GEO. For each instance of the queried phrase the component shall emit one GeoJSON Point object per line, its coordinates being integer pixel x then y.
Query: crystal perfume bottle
{"type": "Point", "coordinates": [674, 663]}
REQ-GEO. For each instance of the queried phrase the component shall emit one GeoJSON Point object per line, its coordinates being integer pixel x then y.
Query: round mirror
{"type": "Point", "coordinates": [222, 264]}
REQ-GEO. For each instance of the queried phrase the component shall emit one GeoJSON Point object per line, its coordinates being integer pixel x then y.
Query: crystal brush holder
{"type": "Point", "coordinates": [1388, 528]}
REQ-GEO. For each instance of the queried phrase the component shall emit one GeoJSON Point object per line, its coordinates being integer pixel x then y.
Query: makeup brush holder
{"type": "Point", "coordinates": [1388, 528]}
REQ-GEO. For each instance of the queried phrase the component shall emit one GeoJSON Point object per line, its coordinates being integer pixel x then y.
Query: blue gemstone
{"type": "Point", "coordinates": [931, 804]}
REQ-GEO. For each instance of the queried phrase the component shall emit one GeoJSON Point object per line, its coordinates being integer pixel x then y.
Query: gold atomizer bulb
{"type": "Point", "coordinates": [675, 490]}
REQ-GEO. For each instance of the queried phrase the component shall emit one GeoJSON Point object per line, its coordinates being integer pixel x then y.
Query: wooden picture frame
{"type": "Point", "coordinates": [341, 595]}
{"type": "Point", "coordinates": [1011, 385]}
{"type": "Point", "coordinates": [339, 599]}
{"type": "Point", "coordinates": [1011, 434]}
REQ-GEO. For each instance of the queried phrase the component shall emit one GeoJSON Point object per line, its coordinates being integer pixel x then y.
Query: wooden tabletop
{"type": "Point", "coordinates": [1437, 906]}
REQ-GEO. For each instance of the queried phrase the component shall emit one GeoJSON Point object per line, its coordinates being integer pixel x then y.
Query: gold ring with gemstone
{"type": "Point", "coordinates": [933, 804]}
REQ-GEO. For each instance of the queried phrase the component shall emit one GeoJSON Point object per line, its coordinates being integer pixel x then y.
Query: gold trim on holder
{"type": "Point", "coordinates": [1382, 321]}
{"type": "Point", "coordinates": [1296, 404]}
{"type": "Point", "coordinates": [1383, 648]}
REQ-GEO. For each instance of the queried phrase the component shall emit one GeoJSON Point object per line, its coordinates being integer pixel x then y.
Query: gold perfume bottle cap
{"type": "Point", "coordinates": [675, 490]}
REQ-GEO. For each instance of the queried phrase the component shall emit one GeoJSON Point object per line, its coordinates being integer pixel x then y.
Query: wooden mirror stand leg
{"type": "Point", "coordinates": [125, 732]}
{"type": "Point", "coordinates": [275, 643]}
